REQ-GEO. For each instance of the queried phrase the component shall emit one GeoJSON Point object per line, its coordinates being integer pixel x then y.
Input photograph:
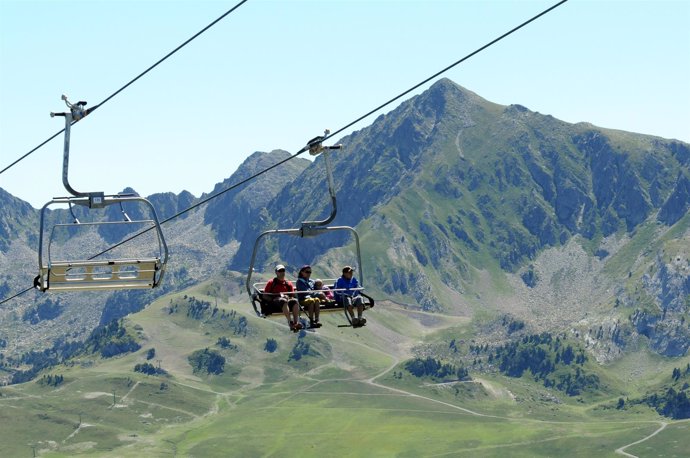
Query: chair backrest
{"type": "Point", "coordinates": [84, 256]}
{"type": "Point", "coordinates": [99, 275]}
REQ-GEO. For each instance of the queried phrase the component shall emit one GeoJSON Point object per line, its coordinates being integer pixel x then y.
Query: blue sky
{"type": "Point", "coordinates": [274, 74]}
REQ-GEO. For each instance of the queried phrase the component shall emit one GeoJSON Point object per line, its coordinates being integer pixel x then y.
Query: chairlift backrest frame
{"type": "Point", "coordinates": [92, 274]}
{"type": "Point", "coordinates": [254, 292]}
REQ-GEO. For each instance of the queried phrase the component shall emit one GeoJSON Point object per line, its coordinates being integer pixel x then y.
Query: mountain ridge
{"type": "Point", "coordinates": [457, 201]}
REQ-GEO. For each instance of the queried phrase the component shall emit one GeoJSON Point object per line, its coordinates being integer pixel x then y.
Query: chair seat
{"type": "Point", "coordinates": [102, 274]}
{"type": "Point", "coordinates": [265, 309]}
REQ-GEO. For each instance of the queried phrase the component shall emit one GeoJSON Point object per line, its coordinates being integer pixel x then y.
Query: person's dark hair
{"type": "Point", "coordinates": [302, 269]}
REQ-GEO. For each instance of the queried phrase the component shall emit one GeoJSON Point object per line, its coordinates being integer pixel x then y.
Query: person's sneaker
{"type": "Point", "coordinates": [292, 326]}
{"type": "Point", "coordinates": [317, 324]}
{"type": "Point", "coordinates": [355, 322]}
{"type": "Point", "coordinates": [362, 321]}
{"type": "Point", "coordinates": [298, 326]}
{"type": "Point", "coordinates": [314, 324]}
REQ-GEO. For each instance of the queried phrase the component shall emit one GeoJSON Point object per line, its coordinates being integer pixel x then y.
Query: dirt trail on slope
{"type": "Point", "coordinates": [621, 450]}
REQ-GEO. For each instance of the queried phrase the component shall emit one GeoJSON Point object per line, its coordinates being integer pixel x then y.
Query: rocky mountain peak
{"type": "Point", "coordinates": [232, 215]}
{"type": "Point", "coordinates": [16, 218]}
{"type": "Point", "coordinates": [445, 90]}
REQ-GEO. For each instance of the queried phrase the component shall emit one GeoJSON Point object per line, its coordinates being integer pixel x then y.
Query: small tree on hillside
{"type": "Point", "coordinates": [209, 361]}
{"type": "Point", "coordinates": [271, 345]}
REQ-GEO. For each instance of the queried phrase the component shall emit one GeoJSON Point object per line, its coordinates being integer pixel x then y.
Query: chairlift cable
{"type": "Point", "coordinates": [17, 295]}
{"type": "Point", "coordinates": [131, 82]}
{"type": "Point", "coordinates": [304, 149]}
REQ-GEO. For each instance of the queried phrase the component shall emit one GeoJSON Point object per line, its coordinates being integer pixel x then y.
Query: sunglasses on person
{"type": "Point", "coordinates": [281, 270]}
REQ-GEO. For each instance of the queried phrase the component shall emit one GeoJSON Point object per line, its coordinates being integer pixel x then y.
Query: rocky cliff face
{"type": "Point", "coordinates": [678, 202]}
{"type": "Point", "coordinates": [664, 322]}
{"type": "Point", "coordinates": [17, 220]}
{"type": "Point", "coordinates": [239, 213]}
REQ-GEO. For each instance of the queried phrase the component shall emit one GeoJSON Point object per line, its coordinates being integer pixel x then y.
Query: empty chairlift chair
{"type": "Point", "coordinates": [66, 270]}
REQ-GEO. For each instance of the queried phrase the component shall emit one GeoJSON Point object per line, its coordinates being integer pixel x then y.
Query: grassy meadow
{"type": "Point", "coordinates": [339, 397]}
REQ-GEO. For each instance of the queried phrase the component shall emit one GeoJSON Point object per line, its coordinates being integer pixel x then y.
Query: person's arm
{"type": "Point", "coordinates": [302, 286]}
{"type": "Point", "coordinates": [338, 285]}
{"type": "Point", "coordinates": [355, 284]}
{"type": "Point", "coordinates": [348, 285]}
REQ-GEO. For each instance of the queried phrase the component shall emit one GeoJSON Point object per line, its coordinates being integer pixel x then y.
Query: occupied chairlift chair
{"type": "Point", "coordinates": [259, 299]}
{"type": "Point", "coordinates": [91, 273]}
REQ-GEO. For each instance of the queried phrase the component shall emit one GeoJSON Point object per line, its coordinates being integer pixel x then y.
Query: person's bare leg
{"type": "Point", "coordinates": [295, 312]}
{"type": "Point", "coordinates": [286, 312]}
{"type": "Point", "coordinates": [350, 310]}
{"type": "Point", "coordinates": [310, 310]}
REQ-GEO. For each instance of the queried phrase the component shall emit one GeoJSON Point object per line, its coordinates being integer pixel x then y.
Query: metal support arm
{"type": "Point", "coordinates": [316, 147]}
{"type": "Point", "coordinates": [76, 112]}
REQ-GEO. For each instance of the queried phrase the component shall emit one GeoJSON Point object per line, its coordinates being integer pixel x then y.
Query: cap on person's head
{"type": "Point", "coordinates": [348, 269]}
{"type": "Point", "coordinates": [280, 267]}
{"type": "Point", "coordinates": [305, 267]}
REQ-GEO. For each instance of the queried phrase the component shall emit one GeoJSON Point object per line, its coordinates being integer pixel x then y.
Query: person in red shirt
{"type": "Point", "coordinates": [280, 295]}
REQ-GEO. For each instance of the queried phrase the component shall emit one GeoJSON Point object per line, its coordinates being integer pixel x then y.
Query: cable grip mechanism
{"type": "Point", "coordinates": [77, 110]}
{"type": "Point", "coordinates": [316, 147]}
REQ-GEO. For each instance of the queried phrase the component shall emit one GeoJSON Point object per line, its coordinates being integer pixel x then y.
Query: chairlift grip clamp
{"type": "Point", "coordinates": [316, 147]}
{"type": "Point", "coordinates": [77, 110]}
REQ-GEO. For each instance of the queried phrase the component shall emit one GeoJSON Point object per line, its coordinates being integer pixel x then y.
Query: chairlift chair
{"type": "Point", "coordinates": [259, 299]}
{"type": "Point", "coordinates": [81, 273]}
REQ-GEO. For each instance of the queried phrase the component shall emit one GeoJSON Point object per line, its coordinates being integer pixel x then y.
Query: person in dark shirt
{"type": "Point", "coordinates": [308, 297]}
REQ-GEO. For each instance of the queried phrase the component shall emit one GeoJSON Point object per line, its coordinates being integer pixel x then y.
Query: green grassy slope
{"type": "Point", "coordinates": [339, 399]}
